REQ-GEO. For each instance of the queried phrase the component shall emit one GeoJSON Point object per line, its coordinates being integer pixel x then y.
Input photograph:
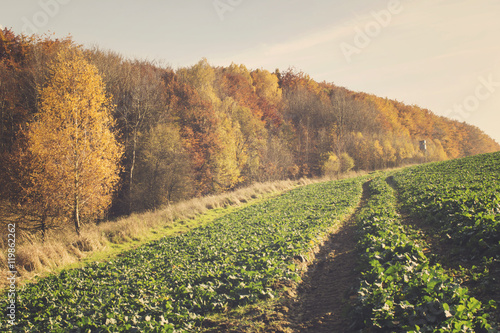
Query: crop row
{"type": "Point", "coordinates": [401, 290]}
{"type": "Point", "coordinates": [461, 198]}
{"type": "Point", "coordinates": [171, 284]}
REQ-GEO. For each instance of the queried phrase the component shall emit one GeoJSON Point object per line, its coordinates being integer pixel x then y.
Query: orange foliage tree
{"type": "Point", "coordinates": [72, 141]}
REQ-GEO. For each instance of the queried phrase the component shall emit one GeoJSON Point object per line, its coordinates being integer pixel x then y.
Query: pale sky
{"type": "Point", "coordinates": [443, 55]}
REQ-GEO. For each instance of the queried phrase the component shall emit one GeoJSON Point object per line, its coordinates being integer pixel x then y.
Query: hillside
{"type": "Point", "coordinates": [427, 253]}
{"type": "Point", "coordinates": [203, 129]}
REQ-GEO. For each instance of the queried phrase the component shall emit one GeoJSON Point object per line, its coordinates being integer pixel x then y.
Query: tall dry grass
{"type": "Point", "coordinates": [63, 247]}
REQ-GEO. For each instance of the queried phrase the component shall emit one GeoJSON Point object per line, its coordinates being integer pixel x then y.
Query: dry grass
{"type": "Point", "coordinates": [62, 247]}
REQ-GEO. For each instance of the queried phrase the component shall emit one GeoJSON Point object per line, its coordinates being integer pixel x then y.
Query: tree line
{"type": "Point", "coordinates": [86, 133]}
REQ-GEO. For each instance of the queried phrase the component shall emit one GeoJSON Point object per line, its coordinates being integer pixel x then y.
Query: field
{"type": "Point", "coordinates": [427, 241]}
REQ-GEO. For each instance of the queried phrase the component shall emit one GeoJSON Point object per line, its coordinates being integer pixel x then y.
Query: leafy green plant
{"type": "Point", "coordinates": [401, 290]}
{"type": "Point", "coordinates": [171, 284]}
{"type": "Point", "coordinates": [461, 198]}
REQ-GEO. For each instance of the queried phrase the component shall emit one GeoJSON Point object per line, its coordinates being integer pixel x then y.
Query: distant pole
{"type": "Point", "coordinates": [423, 147]}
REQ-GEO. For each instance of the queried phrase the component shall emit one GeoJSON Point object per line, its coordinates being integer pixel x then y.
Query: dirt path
{"type": "Point", "coordinates": [485, 288]}
{"type": "Point", "coordinates": [320, 303]}
{"type": "Point", "coordinates": [330, 284]}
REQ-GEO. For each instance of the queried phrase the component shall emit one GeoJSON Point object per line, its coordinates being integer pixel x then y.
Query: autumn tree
{"type": "Point", "coordinates": [23, 67]}
{"type": "Point", "coordinates": [251, 142]}
{"type": "Point", "coordinates": [346, 163]}
{"type": "Point", "coordinates": [360, 150]}
{"type": "Point", "coordinates": [201, 76]}
{"type": "Point", "coordinates": [10, 116]}
{"type": "Point", "coordinates": [237, 83]}
{"type": "Point", "coordinates": [198, 122]}
{"type": "Point", "coordinates": [24, 202]}
{"type": "Point", "coordinates": [13, 48]}
{"type": "Point", "coordinates": [342, 111]}
{"type": "Point", "coordinates": [72, 141]}
{"type": "Point", "coordinates": [278, 161]}
{"type": "Point", "coordinates": [331, 165]}
{"type": "Point", "coordinates": [236, 126]}
{"type": "Point", "coordinates": [378, 155]}
{"type": "Point", "coordinates": [14, 52]}
{"type": "Point", "coordinates": [389, 153]}
{"type": "Point", "coordinates": [269, 96]}
{"type": "Point", "coordinates": [301, 111]}
{"type": "Point", "coordinates": [225, 161]}
{"type": "Point", "coordinates": [405, 150]}
{"type": "Point", "coordinates": [163, 168]}
{"type": "Point", "coordinates": [139, 104]}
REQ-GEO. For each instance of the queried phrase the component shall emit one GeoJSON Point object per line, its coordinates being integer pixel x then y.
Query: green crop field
{"type": "Point", "coordinates": [171, 284]}
{"type": "Point", "coordinates": [404, 287]}
{"type": "Point", "coordinates": [461, 198]}
{"type": "Point", "coordinates": [413, 227]}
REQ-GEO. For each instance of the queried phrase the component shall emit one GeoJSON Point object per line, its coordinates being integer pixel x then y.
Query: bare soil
{"type": "Point", "coordinates": [321, 303]}
{"type": "Point", "coordinates": [326, 295]}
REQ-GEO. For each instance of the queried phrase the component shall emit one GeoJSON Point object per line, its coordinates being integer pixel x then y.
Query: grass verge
{"type": "Point", "coordinates": [63, 249]}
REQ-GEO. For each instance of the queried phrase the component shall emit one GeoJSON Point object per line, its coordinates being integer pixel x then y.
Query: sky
{"type": "Point", "coordinates": [443, 55]}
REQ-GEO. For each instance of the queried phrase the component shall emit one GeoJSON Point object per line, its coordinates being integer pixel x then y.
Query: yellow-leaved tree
{"type": "Point", "coordinates": [73, 142]}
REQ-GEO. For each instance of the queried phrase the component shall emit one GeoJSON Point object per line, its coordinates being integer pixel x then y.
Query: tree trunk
{"type": "Point", "coordinates": [76, 211]}
{"type": "Point", "coordinates": [43, 226]}
{"type": "Point", "coordinates": [132, 167]}
{"type": "Point", "coordinates": [76, 214]}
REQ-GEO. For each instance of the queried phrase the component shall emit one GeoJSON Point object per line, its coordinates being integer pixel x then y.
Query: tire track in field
{"type": "Point", "coordinates": [330, 284]}
{"type": "Point", "coordinates": [442, 251]}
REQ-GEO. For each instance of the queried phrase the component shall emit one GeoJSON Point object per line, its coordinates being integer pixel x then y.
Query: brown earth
{"type": "Point", "coordinates": [328, 290]}
{"type": "Point", "coordinates": [321, 303]}
{"type": "Point", "coordinates": [325, 295]}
